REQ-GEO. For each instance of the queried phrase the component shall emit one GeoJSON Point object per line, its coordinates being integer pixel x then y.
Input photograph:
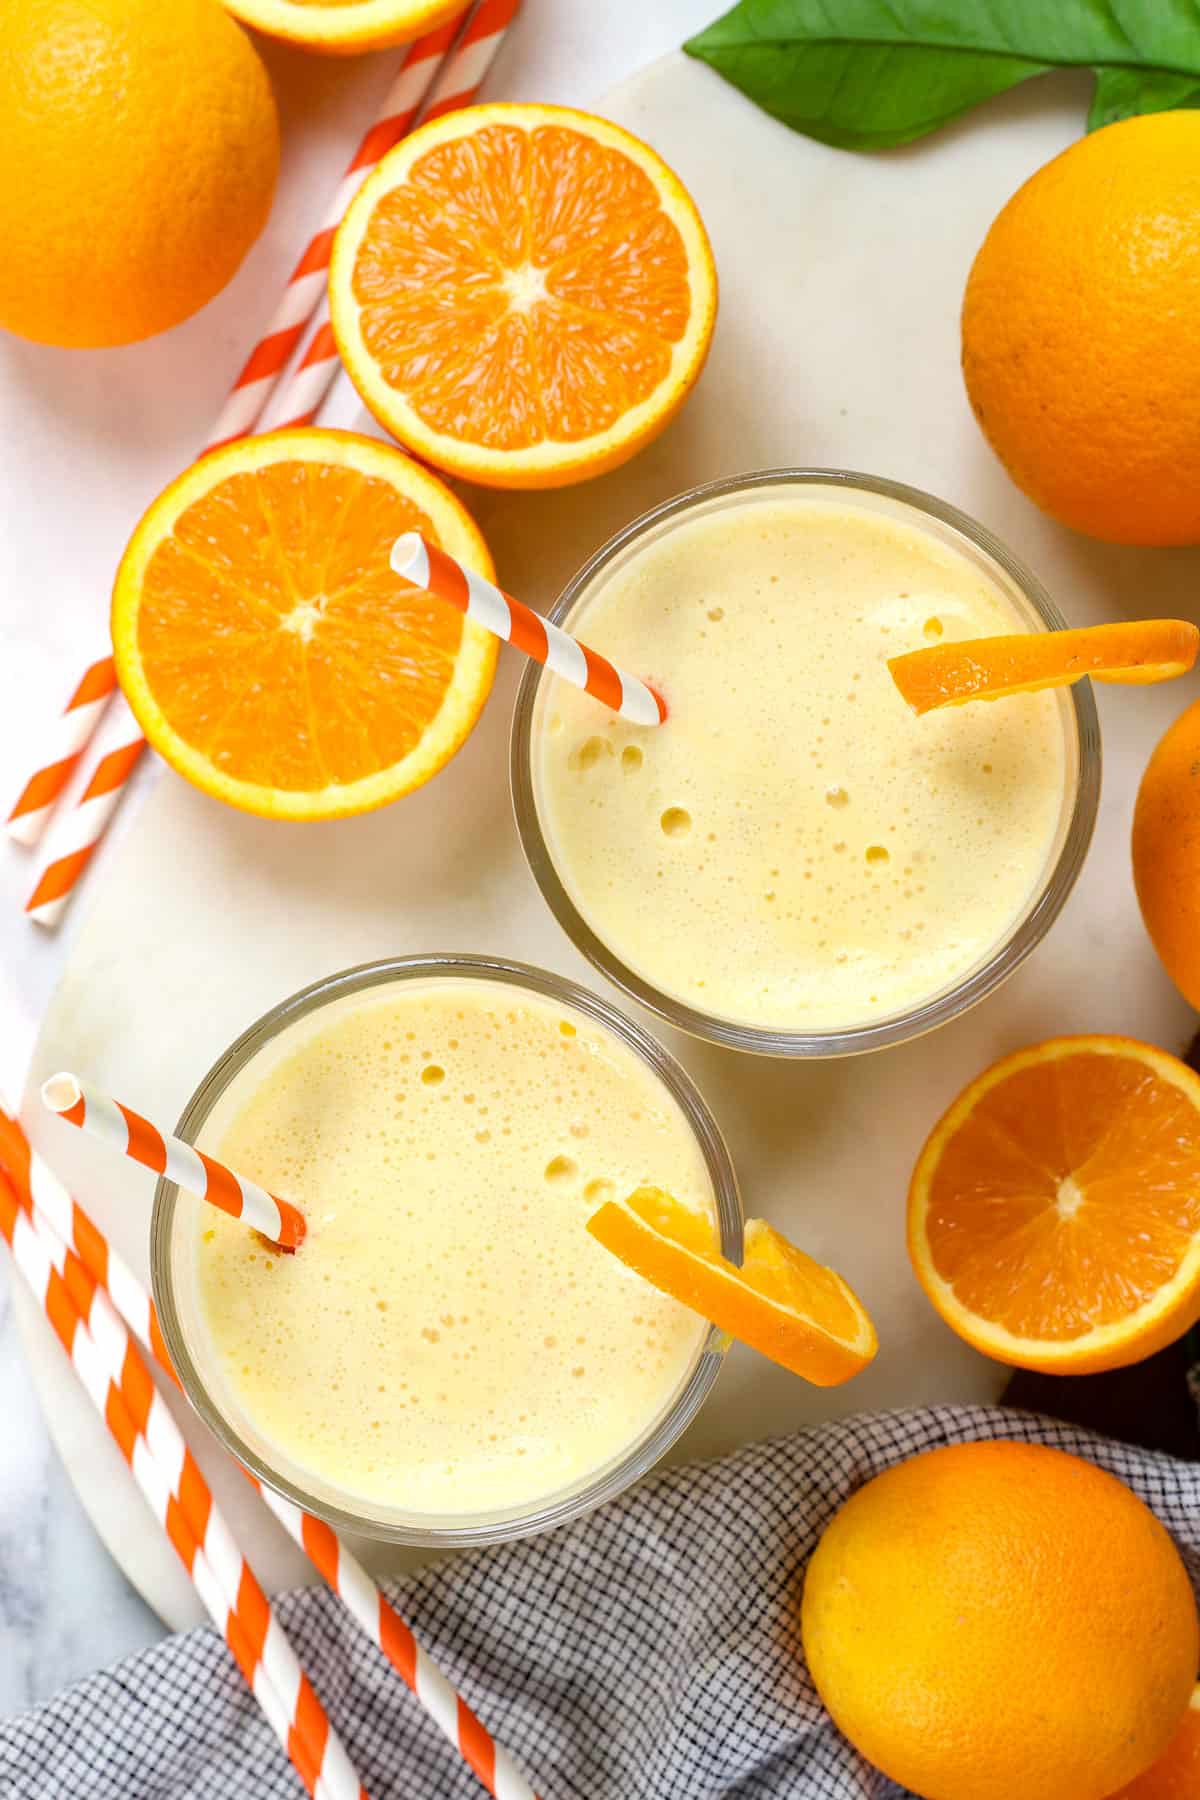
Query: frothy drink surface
{"type": "Point", "coordinates": [449, 1339]}
{"type": "Point", "coordinates": [794, 849]}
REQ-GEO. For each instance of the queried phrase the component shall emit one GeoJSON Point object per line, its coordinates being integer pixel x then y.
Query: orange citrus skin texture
{"type": "Point", "coordinates": [780, 1302]}
{"type": "Point", "coordinates": [1001, 1621]}
{"type": "Point", "coordinates": [1132, 654]}
{"type": "Point", "coordinates": [344, 27]}
{"type": "Point", "coordinates": [1054, 1211]}
{"type": "Point", "coordinates": [264, 644]}
{"type": "Point", "coordinates": [1166, 851]}
{"type": "Point", "coordinates": [1081, 333]}
{"type": "Point", "coordinates": [139, 147]}
{"type": "Point", "coordinates": [523, 295]}
{"type": "Point", "coordinates": [1176, 1774]}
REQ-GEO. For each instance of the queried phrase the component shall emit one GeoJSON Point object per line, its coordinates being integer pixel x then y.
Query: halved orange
{"type": "Point", "coordinates": [1054, 1212]}
{"type": "Point", "coordinates": [344, 27]}
{"type": "Point", "coordinates": [1176, 1774]}
{"type": "Point", "coordinates": [266, 648]}
{"type": "Point", "coordinates": [780, 1301]}
{"type": "Point", "coordinates": [523, 295]}
{"type": "Point", "coordinates": [1133, 652]}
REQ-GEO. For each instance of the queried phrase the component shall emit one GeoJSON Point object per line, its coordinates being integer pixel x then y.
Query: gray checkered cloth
{"type": "Point", "coordinates": [649, 1652]}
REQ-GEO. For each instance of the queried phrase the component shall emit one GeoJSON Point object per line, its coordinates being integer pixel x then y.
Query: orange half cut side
{"type": "Point", "coordinates": [780, 1302]}
{"type": "Point", "coordinates": [523, 295]}
{"type": "Point", "coordinates": [264, 644]}
{"type": "Point", "coordinates": [1054, 1212]}
{"type": "Point", "coordinates": [1136, 652]}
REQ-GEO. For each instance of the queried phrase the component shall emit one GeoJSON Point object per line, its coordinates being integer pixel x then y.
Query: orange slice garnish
{"type": "Point", "coordinates": [523, 295]}
{"type": "Point", "coordinates": [1054, 1213]}
{"type": "Point", "coordinates": [264, 644]}
{"type": "Point", "coordinates": [1138, 651]}
{"type": "Point", "coordinates": [780, 1301]}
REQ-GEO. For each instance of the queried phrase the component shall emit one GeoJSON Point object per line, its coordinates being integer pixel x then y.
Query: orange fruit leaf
{"type": "Point", "coordinates": [1054, 1212]}
{"type": "Point", "coordinates": [1140, 651]}
{"type": "Point", "coordinates": [523, 295]}
{"type": "Point", "coordinates": [266, 648]}
{"type": "Point", "coordinates": [780, 1301]}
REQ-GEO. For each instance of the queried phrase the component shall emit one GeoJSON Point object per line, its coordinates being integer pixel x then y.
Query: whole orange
{"type": "Point", "coordinates": [139, 147]}
{"type": "Point", "coordinates": [1166, 851]}
{"type": "Point", "coordinates": [1001, 1621]}
{"type": "Point", "coordinates": [1176, 1774]}
{"type": "Point", "coordinates": [1081, 333]}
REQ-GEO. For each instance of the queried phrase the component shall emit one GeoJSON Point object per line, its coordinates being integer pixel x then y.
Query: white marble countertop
{"type": "Point", "coordinates": [65, 1609]}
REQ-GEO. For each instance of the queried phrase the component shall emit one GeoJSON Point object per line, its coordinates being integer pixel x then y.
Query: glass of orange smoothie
{"type": "Point", "coordinates": [794, 863]}
{"type": "Point", "coordinates": [449, 1358]}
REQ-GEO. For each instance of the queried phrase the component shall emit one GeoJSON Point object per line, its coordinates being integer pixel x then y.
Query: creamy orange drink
{"type": "Point", "coordinates": [448, 1340]}
{"type": "Point", "coordinates": [793, 850]}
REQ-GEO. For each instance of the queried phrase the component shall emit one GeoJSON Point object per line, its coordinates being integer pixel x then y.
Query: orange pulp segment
{"type": "Point", "coordinates": [264, 644]}
{"type": "Point", "coordinates": [523, 295]}
{"type": "Point", "coordinates": [1136, 651]}
{"type": "Point", "coordinates": [1054, 1212]}
{"type": "Point", "coordinates": [780, 1301]}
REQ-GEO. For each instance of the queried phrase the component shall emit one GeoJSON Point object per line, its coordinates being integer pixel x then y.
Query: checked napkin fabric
{"type": "Point", "coordinates": [649, 1652]}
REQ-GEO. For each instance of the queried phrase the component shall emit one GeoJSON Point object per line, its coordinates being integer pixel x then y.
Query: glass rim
{"type": "Point", "coordinates": [452, 1530]}
{"type": "Point", "coordinates": [1008, 954]}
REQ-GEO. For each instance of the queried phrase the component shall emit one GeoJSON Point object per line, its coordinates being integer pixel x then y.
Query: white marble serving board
{"type": "Point", "coordinates": [837, 344]}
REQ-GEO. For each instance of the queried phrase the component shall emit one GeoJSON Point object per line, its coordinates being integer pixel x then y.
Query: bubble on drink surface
{"type": "Point", "coordinates": [433, 1074]}
{"type": "Point", "coordinates": [598, 1191]}
{"type": "Point", "coordinates": [676, 822]}
{"type": "Point", "coordinates": [837, 797]}
{"type": "Point", "coordinates": [877, 855]}
{"type": "Point", "coordinates": [933, 629]}
{"type": "Point", "coordinates": [586, 755]}
{"type": "Point", "coordinates": [632, 759]}
{"type": "Point", "coordinates": [561, 1169]}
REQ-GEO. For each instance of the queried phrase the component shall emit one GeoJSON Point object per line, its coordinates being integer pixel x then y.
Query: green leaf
{"type": "Point", "coordinates": [1123, 93]}
{"type": "Point", "coordinates": [867, 74]}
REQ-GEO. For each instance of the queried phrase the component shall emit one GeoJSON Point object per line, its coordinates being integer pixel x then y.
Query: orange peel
{"type": "Point", "coordinates": [1131, 653]}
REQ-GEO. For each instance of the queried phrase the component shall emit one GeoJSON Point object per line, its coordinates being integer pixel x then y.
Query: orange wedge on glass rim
{"type": "Point", "coordinates": [263, 643]}
{"type": "Point", "coordinates": [523, 295]}
{"type": "Point", "coordinates": [1133, 652]}
{"type": "Point", "coordinates": [1054, 1212]}
{"type": "Point", "coordinates": [780, 1301]}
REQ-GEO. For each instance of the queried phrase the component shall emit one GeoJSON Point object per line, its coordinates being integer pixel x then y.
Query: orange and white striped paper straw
{"type": "Point", "coordinates": [90, 817]}
{"type": "Point", "coordinates": [61, 751]}
{"type": "Point", "coordinates": [127, 1131]}
{"type": "Point", "coordinates": [45, 1194]}
{"type": "Point", "coordinates": [176, 1481]}
{"type": "Point", "coordinates": [106, 1364]}
{"type": "Point", "coordinates": [306, 289]}
{"type": "Point", "coordinates": [457, 83]}
{"type": "Point", "coordinates": [387, 1630]}
{"type": "Point", "coordinates": [425, 565]}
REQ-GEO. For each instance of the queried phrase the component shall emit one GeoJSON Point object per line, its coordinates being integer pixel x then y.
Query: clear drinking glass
{"type": "Point", "coordinates": [172, 1258]}
{"type": "Point", "coordinates": [1081, 738]}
